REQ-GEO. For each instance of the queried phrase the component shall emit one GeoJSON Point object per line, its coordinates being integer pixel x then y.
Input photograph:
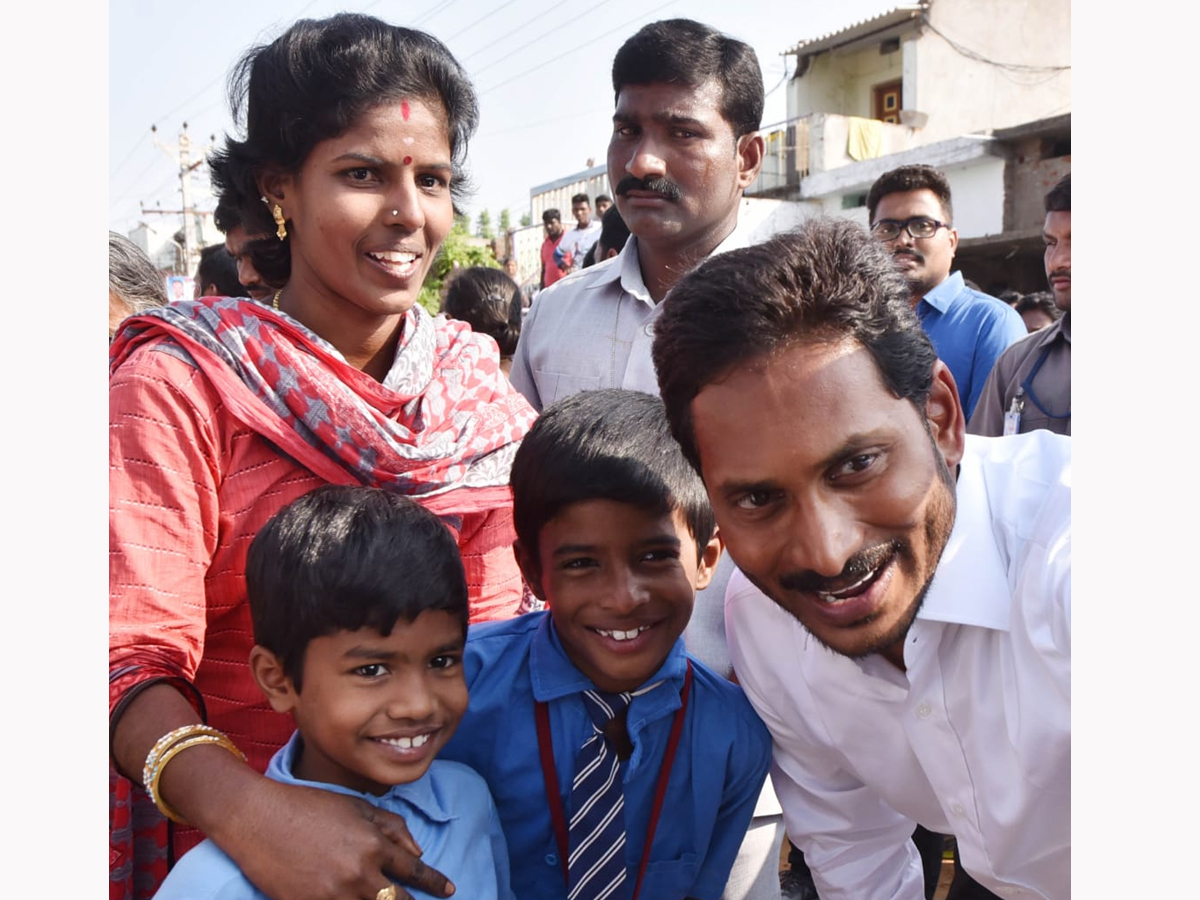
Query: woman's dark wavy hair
{"type": "Point", "coordinates": [311, 84]}
{"type": "Point", "coordinates": [490, 302]}
{"type": "Point", "coordinates": [343, 558]}
{"type": "Point", "coordinates": [826, 281]}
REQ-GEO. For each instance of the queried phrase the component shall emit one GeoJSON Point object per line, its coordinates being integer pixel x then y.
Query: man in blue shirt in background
{"type": "Point", "coordinates": [910, 212]}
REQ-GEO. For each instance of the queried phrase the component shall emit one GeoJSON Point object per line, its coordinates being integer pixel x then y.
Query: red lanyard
{"type": "Point", "coordinates": [550, 774]}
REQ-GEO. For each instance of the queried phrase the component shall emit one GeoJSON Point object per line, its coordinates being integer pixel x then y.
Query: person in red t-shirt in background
{"type": "Point", "coordinates": [554, 267]}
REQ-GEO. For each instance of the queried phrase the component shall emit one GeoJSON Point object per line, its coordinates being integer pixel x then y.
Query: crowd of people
{"type": "Point", "coordinates": [606, 590]}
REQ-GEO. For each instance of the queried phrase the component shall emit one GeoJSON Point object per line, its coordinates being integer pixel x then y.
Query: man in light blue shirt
{"type": "Point", "coordinates": [911, 213]}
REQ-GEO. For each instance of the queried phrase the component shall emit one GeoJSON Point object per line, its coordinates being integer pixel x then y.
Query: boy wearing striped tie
{"type": "Point", "coordinates": [620, 767]}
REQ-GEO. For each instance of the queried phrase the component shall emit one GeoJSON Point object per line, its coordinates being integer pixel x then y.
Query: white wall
{"type": "Point", "coordinates": [963, 95]}
{"type": "Point", "coordinates": [960, 94]}
{"type": "Point", "coordinates": [977, 189]}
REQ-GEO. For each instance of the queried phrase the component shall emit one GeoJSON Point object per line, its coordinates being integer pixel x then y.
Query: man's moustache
{"type": "Point", "coordinates": [912, 253]}
{"type": "Point", "coordinates": [1059, 273]}
{"type": "Point", "coordinates": [859, 565]}
{"type": "Point", "coordinates": [667, 189]}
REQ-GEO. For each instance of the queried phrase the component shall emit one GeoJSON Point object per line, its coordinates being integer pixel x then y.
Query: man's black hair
{"type": "Point", "coordinates": [682, 51]}
{"type": "Point", "coordinates": [1059, 197]}
{"type": "Point", "coordinates": [219, 268]}
{"type": "Point", "coordinates": [827, 281]}
{"type": "Point", "coordinates": [343, 558]}
{"type": "Point", "coordinates": [613, 231]}
{"type": "Point", "coordinates": [911, 178]}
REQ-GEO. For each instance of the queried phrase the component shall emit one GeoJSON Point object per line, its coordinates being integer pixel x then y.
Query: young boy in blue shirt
{"type": "Point", "coordinates": [359, 606]}
{"type": "Point", "coordinates": [615, 534]}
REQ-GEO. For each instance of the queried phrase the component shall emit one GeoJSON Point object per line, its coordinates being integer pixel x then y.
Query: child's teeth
{"type": "Point", "coordinates": [405, 743]}
{"type": "Point", "coordinates": [624, 635]}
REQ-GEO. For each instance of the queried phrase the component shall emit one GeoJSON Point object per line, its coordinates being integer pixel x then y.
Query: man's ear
{"type": "Point", "coordinates": [708, 560]}
{"type": "Point", "coordinates": [267, 670]}
{"type": "Point", "coordinates": [750, 149]}
{"type": "Point", "coordinates": [612, 251]}
{"type": "Point", "coordinates": [944, 413]}
{"type": "Point", "coordinates": [530, 570]}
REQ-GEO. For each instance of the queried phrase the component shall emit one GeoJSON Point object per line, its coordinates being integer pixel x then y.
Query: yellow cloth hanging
{"type": "Point", "coordinates": [866, 138]}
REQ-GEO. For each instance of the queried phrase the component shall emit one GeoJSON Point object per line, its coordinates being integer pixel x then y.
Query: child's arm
{"type": "Point", "coordinates": [293, 843]}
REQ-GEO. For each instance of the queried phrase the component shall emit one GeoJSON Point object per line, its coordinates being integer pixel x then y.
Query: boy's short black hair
{"type": "Point", "coordinates": [341, 558]}
{"type": "Point", "coordinates": [604, 445]}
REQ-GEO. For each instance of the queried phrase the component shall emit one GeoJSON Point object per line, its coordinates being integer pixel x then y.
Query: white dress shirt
{"type": "Point", "coordinates": [593, 329]}
{"type": "Point", "coordinates": [974, 739]}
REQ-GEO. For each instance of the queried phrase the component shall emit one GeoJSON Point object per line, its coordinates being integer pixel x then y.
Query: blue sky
{"type": "Point", "coordinates": [541, 69]}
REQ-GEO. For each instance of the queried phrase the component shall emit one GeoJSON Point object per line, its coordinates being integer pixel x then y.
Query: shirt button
{"type": "Point", "coordinates": [924, 711]}
{"type": "Point", "coordinates": [957, 809]}
{"type": "Point", "coordinates": [551, 859]}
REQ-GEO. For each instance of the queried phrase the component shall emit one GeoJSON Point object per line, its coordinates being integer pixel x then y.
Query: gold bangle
{"type": "Point", "coordinates": [195, 740]}
{"type": "Point", "coordinates": [164, 742]}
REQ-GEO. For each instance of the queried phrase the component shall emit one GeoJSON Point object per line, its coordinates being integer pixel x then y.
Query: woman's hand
{"type": "Point", "coordinates": [299, 843]}
{"type": "Point", "coordinates": [292, 842]}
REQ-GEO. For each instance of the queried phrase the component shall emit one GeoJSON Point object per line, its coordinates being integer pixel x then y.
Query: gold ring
{"type": "Point", "coordinates": [387, 893]}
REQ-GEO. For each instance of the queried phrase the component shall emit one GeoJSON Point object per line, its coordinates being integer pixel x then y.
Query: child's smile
{"type": "Point", "coordinates": [620, 583]}
{"type": "Point", "coordinates": [375, 710]}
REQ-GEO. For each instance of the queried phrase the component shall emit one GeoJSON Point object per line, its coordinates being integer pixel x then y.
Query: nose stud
{"type": "Point", "coordinates": [395, 212]}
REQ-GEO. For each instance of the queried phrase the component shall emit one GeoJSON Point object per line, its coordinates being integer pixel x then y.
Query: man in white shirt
{"type": "Point", "coordinates": [579, 240]}
{"type": "Point", "coordinates": [685, 145]}
{"type": "Point", "coordinates": [903, 623]}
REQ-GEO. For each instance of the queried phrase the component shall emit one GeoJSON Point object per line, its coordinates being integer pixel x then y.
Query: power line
{"type": "Point", "coordinates": [591, 39]}
{"type": "Point", "coordinates": [533, 41]}
{"type": "Point", "coordinates": [979, 57]}
{"type": "Point", "coordinates": [433, 12]}
{"type": "Point", "coordinates": [477, 21]}
{"type": "Point", "coordinates": [521, 27]}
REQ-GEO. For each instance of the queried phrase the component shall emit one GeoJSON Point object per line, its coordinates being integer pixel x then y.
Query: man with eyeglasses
{"type": "Point", "coordinates": [1030, 386]}
{"type": "Point", "coordinates": [911, 213]}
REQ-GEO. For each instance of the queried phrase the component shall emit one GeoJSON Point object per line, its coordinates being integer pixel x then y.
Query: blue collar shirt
{"type": "Point", "coordinates": [448, 811]}
{"type": "Point", "coordinates": [719, 768]}
{"type": "Point", "coordinates": [969, 330]}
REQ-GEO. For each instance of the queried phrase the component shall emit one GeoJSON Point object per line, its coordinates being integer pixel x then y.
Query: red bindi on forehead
{"type": "Point", "coordinates": [408, 160]}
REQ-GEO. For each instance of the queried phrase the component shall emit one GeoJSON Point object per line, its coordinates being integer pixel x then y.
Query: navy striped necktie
{"type": "Point", "coordinates": [596, 866]}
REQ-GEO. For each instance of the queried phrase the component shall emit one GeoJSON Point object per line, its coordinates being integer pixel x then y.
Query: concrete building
{"type": "Point", "coordinates": [980, 89]}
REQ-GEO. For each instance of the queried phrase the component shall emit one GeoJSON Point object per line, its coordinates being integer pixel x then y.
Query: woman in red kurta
{"type": "Point", "coordinates": [224, 410]}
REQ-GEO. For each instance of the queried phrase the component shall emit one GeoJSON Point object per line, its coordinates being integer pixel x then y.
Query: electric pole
{"type": "Point", "coordinates": [181, 155]}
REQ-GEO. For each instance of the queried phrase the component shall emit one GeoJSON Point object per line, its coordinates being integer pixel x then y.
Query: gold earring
{"type": "Point", "coordinates": [280, 229]}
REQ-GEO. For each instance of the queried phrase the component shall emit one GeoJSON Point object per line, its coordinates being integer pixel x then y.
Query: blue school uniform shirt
{"type": "Point", "coordinates": [448, 811]}
{"type": "Point", "coordinates": [720, 765]}
{"type": "Point", "coordinates": [969, 331]}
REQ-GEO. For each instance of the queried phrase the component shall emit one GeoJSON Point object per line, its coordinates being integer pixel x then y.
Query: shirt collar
{"type": "Point", "coordinates": [628, 270]}
{"type": "Point", "coordinates": [1051, 333]}
{"type": "Point", "coordinates": [554, 675]}
{"type": "Point", "coordinates": [970, 586]}
{"type": "Point", "coordinates": [942, 296]}
{"type": "Point", "coordinates": [419, 794]}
